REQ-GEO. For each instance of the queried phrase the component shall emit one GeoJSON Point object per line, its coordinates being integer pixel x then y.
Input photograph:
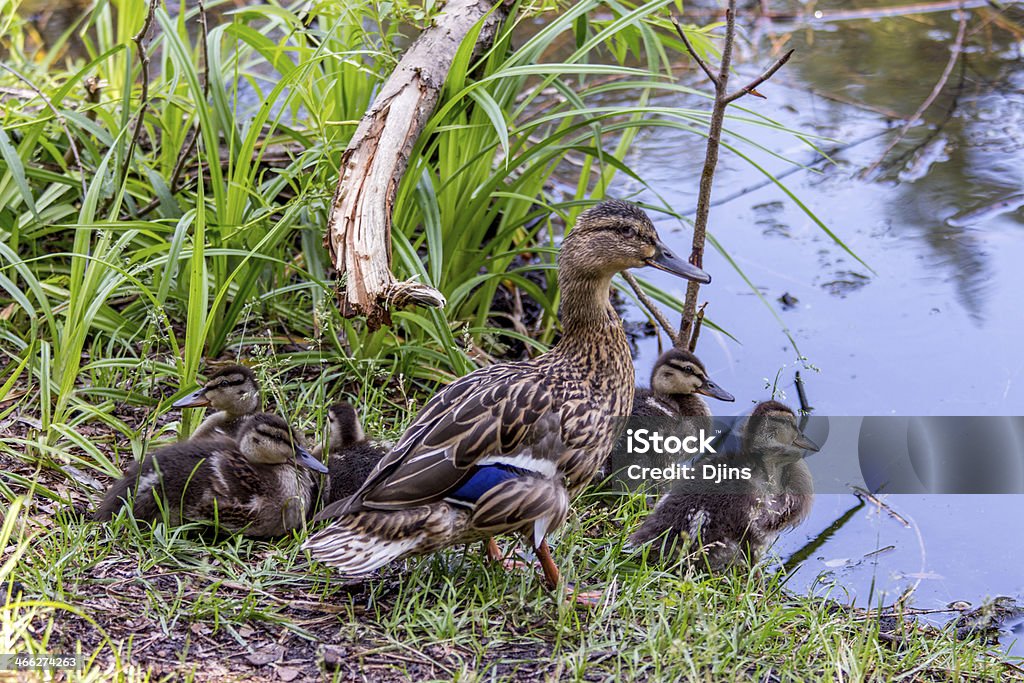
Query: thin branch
{"type": "Point", "coordinates": [751, 88]}
{"type": "Point", "coordinates": [697, 324]}
{"type": "Point", "coordinates": [693, 53]}
{"type": "Point", "coordinates": [140, 120]}
{"type": "Point", "coordinates": [651, 307]}
{"type": "Point", "coordinates": [193, 136]}
{"type": "Point", "coordinates": [60, 122]}
{"type": "Point", "coordinates": [689, 327]}
{"type": "Point", "coordinates": [954, 56]}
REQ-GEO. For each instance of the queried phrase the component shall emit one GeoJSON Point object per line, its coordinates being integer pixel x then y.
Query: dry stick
{"type": "Point", "coordinates": [651, 307]}
{"type": "Point", "coordinates": [954, 56]}
{"type": "Point", "coordinates": [193, 135]}
{"type": "Point", "coordinates": [722, 100]}
{"type": "Point", "coordinates": [59, 119]}
{"type": "Point", "coordinates": [140, 120]}
{"type": "Point", "coordinates": [867, 495]}
{"type": "Point", "coordinates": [698, 323]}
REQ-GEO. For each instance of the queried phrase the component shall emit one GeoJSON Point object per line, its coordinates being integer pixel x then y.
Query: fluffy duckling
{"type": "Point", "coordinates": [504, 449]}
{"type": "Point", "coordinates": [677, 379]}
{"type": "Point", "coordinates": [233, 392]}
{"type": "Point", "coordinates": [732, 522]}
{"type": "Point", "coordinates": [671, 405]}
{"type": "Point", "coordinates": [257, 485]}
{"type": "Point", "coordinates": [352, 456]}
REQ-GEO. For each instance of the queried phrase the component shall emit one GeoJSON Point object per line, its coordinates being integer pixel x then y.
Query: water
{"type": "Point", "coordinates": [938, 326]}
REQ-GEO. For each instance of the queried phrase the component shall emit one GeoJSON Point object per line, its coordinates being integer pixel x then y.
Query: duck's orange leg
{"type": "Point", "coordinates": [551, 577]}
{"type": "Point", "coordinates": [495, 555]}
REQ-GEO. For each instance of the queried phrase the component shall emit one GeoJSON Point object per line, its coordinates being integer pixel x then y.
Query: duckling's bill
{"type": "Point", "coordinates": [803, 442]}
{"type": "Point", "coordinates": [711, 389]}
{"type": "Point", "coordinates": [665, 259]}
{"type": "Point", "coordinates": [307, 459]}
{"type": "Point", "coordinates": [196, 399]}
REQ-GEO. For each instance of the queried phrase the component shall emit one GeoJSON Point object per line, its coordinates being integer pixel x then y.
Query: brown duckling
{"type": "Point", "coordinates": [233, 392]}
{"type": "Point", "coordinates": [671, 406]}
{"type": "Point", "coordinates": [677, 378]}
{"type": "Point", "coordinates": [352, 456]}
{"type": "Point", "coordinates": [732, 522]}
{"type": "Point", "coordinates": [258, 485]}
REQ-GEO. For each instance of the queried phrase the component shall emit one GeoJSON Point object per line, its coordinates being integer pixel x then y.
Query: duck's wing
{"type": "Point", "coordinates": [496, 414]}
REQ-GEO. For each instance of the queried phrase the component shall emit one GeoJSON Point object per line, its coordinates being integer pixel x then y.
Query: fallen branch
{"type": "Point", "coordinates": [687, 337]}
{"type": "Point", "coordinates": [880, 504]}
{"type": "Point", "coordinates": [358, 234]}
{"type": "Point", "coordinates": [954, 56]}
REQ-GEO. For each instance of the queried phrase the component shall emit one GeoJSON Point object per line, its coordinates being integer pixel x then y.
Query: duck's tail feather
{"type": "Point", "coordinates": [361, 542]}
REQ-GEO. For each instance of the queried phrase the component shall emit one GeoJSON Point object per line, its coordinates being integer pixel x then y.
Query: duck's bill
{"type": "Point", "coordinates": [806, 444]}
{"type": "Point", "coordinates": [665, 260]}
{"type": "Point", "coordinates": [194, 400]}
{"type": "Point", "coordinates": [711, 389]}
{"type": "Point", "coordinates": [306, 459]}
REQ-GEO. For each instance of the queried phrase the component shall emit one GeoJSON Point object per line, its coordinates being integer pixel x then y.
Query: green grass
{"type": "Point", "coordinates": [219, 610]}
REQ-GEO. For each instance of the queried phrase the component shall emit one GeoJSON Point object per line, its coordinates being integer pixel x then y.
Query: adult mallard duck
{"type": "Point", "coordinates": [732, 522]}
{"type": "Point", "coordinates": [256, 485]}
{"type": "Point", "coordinates": [506, 447]}
{"type": "Point", "coordinates": [677, 381]}
{"type": "Point", "coordinates": [351, 457]}
{"type": "Point", "coordinates": [233, 392]}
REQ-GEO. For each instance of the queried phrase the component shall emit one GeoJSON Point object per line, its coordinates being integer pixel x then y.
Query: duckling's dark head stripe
{"type": "Point", "coordinates": [231, 376]}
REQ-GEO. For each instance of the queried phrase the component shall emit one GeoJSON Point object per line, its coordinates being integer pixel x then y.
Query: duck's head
{"type": "Point", "coordinates": [232, 389]}
{"type": "Point", "coordinates": [345, 427]}
{"type": "Point", "coordinates": [615, 236]}
{"type": "Point", "coordinates": [772, 433]}
{"type": "Point", "coordinates": [680, 372]}
{"type": "Point", "coordinates": [266, 439]}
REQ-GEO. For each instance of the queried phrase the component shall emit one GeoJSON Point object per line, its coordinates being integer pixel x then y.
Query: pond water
{"type": "Point", "coordinates": [936, 329]}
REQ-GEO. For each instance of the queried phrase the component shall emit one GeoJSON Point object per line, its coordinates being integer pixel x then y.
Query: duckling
{"type": "Point", "coordinates": [252, 485]}
{"type": "Point", "coordinates": [233, 392]}
{"type": "Point", "coordinates": [732, 522]}
{"type": "Point", "coordinates": [505, 448]}
{"type": "Point", "coordinates": [352, 456]}
{"type": "Point", "coordinates": [677, 378]}
{"type": "Point", "coordinates": [671, 405]}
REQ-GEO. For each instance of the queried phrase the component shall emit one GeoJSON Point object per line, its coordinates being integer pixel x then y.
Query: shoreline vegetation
{"type": "Point", "coordinates": [165, 178]}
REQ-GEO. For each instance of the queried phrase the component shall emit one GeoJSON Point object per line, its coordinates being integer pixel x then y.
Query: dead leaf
{"type": "Point", "coordinates": [287, 673]}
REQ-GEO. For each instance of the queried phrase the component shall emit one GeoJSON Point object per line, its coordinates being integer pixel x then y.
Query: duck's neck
{"type": "Point", "coordinates": [586, 312]}
{"type": "Point", "coordinates": [690, 405]}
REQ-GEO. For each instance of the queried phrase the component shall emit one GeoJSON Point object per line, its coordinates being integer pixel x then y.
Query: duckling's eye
{"type": "Point", "coordinates": [688, 370]}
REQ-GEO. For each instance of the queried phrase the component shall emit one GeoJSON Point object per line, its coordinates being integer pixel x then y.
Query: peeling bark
{"type": "Point", "coordinates": [359, 227]}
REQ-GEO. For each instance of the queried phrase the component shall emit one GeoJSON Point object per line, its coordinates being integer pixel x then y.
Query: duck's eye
{"type": "Point", "coordinates": [688, 370]}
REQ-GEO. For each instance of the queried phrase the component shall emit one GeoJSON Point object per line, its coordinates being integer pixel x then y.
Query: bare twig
{"type": "Point", "coordinates": [193, 136]}
{"type": "Point", "coordinates": [687, 336]}
{"type": "Point", "coordinates": [60, 121]}
{"type": "Point", "coordinates": [751, 88]}
{"type": "Point", "coordinates": [954, 56]}
{"type": "Point", "coordinates": [801, 393]}
{"type": "Point", "coordinates": [140, 120]}
{"type": "Point", "coordinates": [882, 505]}
{"type": "Point", "coordinates": [651, 307]}
{"type": "Point", "coordinates": [693, 53]}
{"type": "Point", "coordinates": [697, 324]}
